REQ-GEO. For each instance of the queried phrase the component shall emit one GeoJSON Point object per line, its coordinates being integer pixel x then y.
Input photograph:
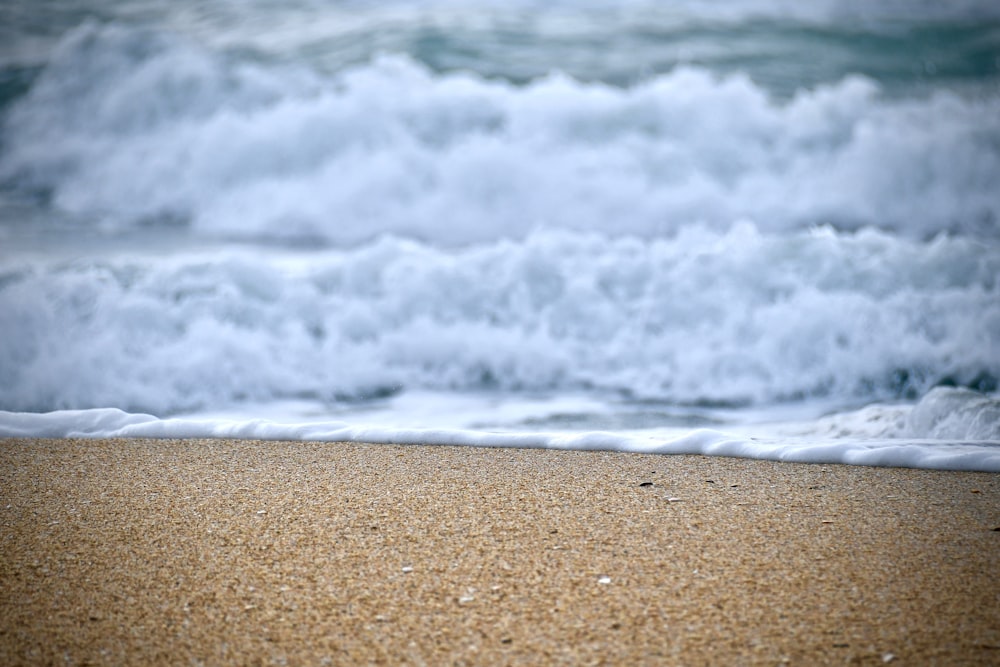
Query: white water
{"type": "Point", "coordinates": [127, 128]}
{"type": "Point", "coordinates": [404, 223]}
{"type": "Point", "coordinates": [740, 317]}
{"type": "Point", "coordinates": [946, 443]}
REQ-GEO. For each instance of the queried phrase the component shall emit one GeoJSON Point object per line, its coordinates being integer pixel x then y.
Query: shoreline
{"type": "Point", "coordinates": [231, 551]}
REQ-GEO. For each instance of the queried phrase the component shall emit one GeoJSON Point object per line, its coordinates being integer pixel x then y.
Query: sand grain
{"type": "Point", "coordinates": [181, 551]}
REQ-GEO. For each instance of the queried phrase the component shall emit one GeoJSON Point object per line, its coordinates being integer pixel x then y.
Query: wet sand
{"type": "Point", "coordinates": [240, 552]}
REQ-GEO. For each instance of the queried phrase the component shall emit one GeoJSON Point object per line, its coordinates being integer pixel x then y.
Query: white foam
{"type": "Point", "coordinates": [955, 413]}
{"type": "Point", "coordinates": [128, 127]}
{"type": "Point", "coordinates": [661, 241]}
{"type": "Point", "coordinates": [113, 423]}
{"type": "Point", "coordinates": [740, 316]}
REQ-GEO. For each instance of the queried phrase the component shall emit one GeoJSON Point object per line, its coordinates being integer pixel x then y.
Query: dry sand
{"type": "Point", "coordinates": [235, 552]}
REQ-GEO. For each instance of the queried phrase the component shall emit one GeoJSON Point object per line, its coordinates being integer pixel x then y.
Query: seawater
{"type": "Point", "coordinates": [472, 220]}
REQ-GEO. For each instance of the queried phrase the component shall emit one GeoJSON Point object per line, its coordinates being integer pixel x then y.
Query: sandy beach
{"type": "Point", "coordinates": [240, 552]}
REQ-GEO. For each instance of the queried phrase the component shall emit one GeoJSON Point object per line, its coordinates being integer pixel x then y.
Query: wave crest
{"type": "Point", "coordinates": [734, 317]}
{"type": "Point", "coordinates": [130, 127]}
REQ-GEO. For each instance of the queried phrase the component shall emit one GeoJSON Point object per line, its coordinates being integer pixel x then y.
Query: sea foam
{"type": "Point", "coordinates": [926, 450]}
{"type": "Point", "coordinates": [126, 127]}
{"type": "Point", "coordinates": [203, 218]}
{"type": "Point", "coordinates": [739, 317]}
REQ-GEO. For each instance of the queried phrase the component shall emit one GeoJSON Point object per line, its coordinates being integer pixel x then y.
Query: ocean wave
{"type": "Point", "coordinates": [955, 413]}
{"type": "Point", "coordinates": [129, 127]}
{"type": "Point", "coordinates": [734, 317]}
